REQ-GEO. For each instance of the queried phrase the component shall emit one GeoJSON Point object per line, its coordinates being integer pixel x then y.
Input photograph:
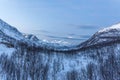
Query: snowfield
{"type": "Point", "coordinates": [5, 50]}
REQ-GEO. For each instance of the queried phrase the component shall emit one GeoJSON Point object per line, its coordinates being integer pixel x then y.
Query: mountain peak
{"type": "Point", "coordinates": [113, 27]}
{"type": "Point", "coordinates": [31, 37]}
{"type": "Point", "coordinates": [104, 36]}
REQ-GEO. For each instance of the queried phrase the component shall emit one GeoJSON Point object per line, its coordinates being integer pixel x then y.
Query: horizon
{"type": "Point", "coordinates": [60, 19]}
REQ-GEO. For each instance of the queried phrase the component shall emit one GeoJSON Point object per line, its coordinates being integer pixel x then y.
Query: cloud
{"type": "Point", "coordinates": [43, 31]}
{"type": "Point", "coordinates": [81, 36]}
{"type": "Point", "coordinates": [83, 26]}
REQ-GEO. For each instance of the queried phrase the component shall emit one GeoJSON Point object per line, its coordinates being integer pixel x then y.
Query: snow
{"type": "Point", "coordinates": [77, 63]}
{"type": "Point", "coordinates": [105, 35]}
{"type": "Point", "coordinates": [59, 64]}
{"type": "Point", "coordinates": [116, 26]}
{"type": "Point", "coordinates": [5, 50]}
{"type": "Point", "coordinates": [10, 30]}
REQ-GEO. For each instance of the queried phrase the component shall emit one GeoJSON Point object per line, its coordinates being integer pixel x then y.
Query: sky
{"type": "Point", "coordinates": [80, 17]}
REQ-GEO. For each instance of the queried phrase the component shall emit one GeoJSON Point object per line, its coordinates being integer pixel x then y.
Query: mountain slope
{"type": "Point", "coordinates": [10, 31]}
{"type": "Point", "coordinates": [25, 57]}
{"type": "Point", "coordinates": [103, 37]}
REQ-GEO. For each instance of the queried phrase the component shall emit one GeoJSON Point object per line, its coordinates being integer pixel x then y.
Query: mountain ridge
{"type": "Point", "coordinates": [105, 36]}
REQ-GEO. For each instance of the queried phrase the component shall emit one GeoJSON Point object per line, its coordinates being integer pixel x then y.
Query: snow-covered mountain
{"type": "Point", "coordinates": [103, 37]}
{"type": "Point", "coordinates": [25, 57]}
